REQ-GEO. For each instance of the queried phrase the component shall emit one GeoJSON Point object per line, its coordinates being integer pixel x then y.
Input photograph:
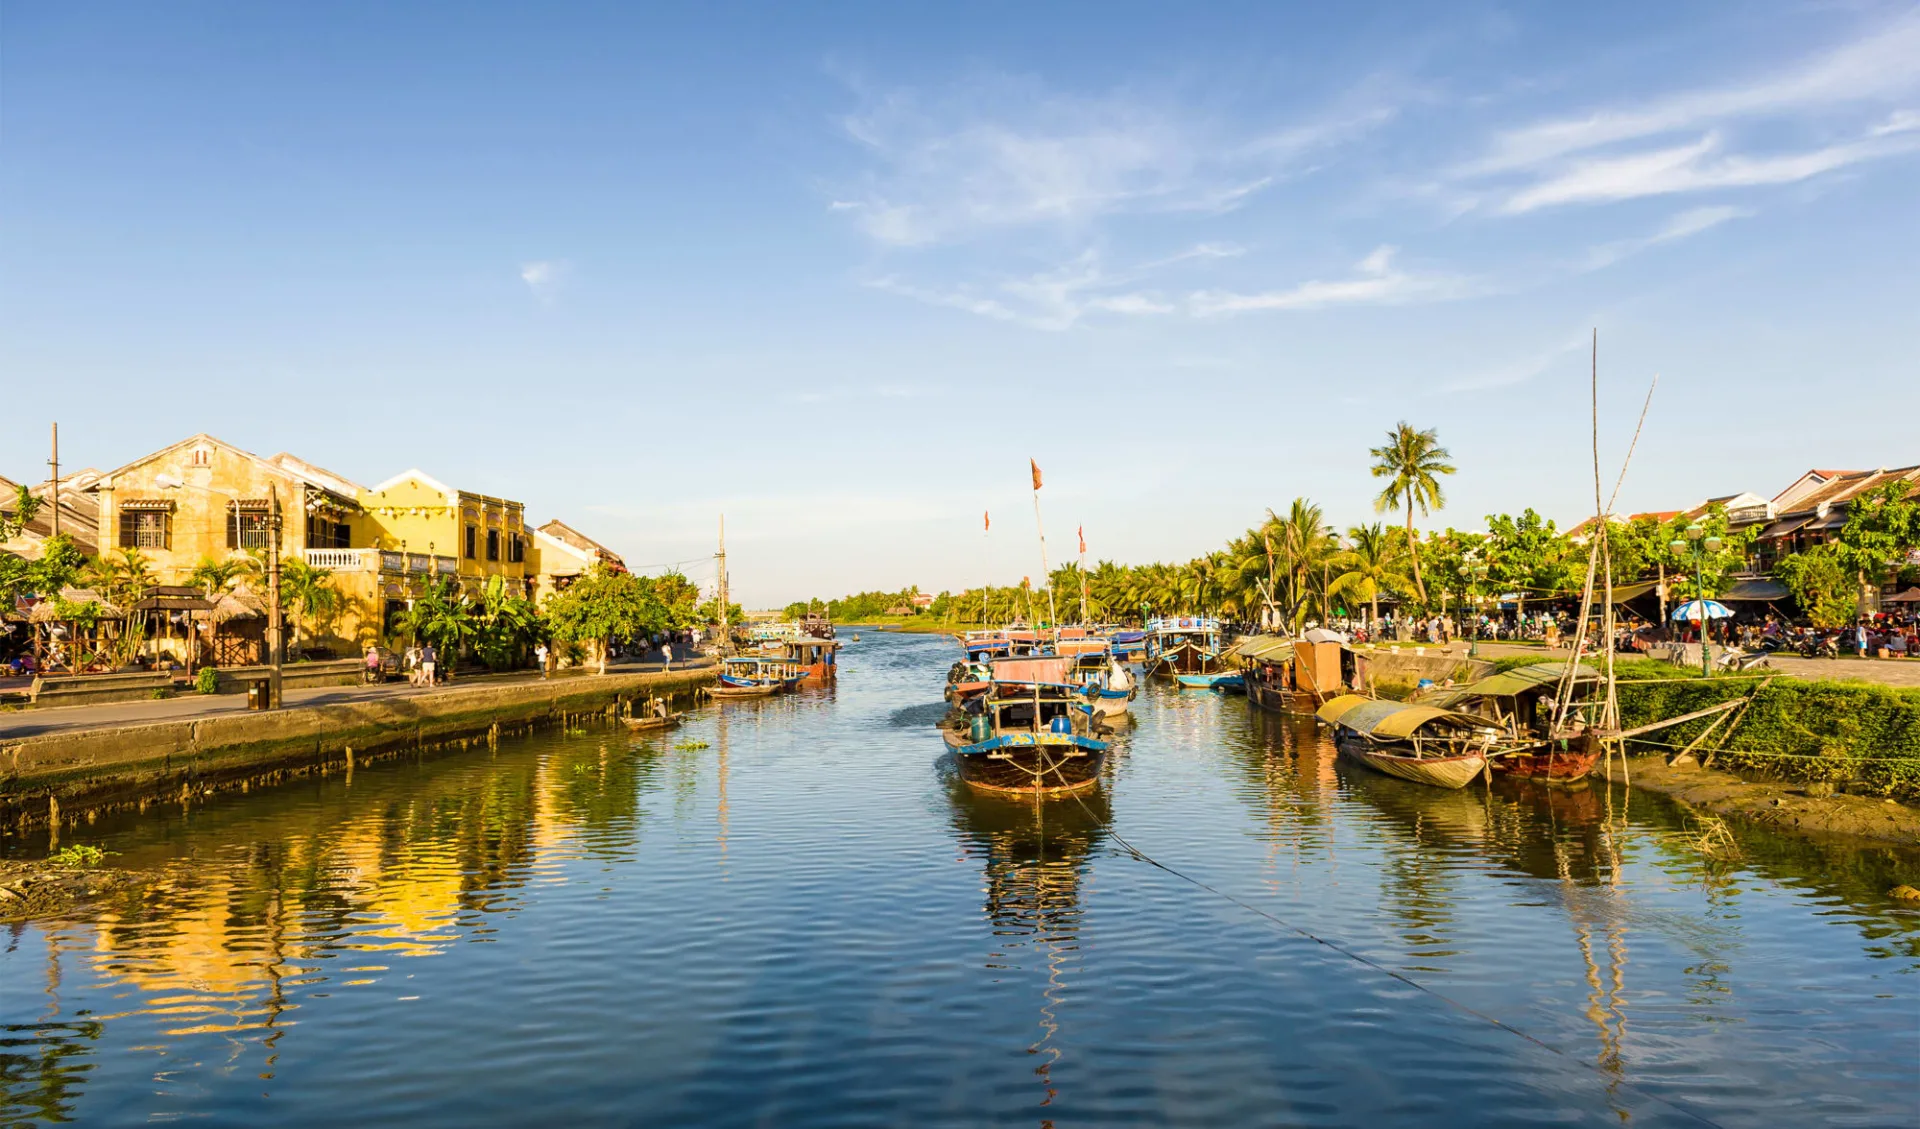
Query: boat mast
{"type": "Point", "coordinates": [1046, 577]}
{"type": "Point", "coordinates": [722, 585]}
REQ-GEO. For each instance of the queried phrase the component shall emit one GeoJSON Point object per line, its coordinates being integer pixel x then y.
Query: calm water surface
{"type": "Point", "coordinates": [807, 922]}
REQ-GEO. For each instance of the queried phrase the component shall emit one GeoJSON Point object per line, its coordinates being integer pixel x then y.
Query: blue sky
{"type": "Point", "coordinates": [840, 270]}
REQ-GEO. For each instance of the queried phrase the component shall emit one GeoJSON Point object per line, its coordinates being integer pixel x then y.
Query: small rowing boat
{"type": "Point", "coordinates": [653, 723]}
{"type": "Point", "coordinates": [756, 676]}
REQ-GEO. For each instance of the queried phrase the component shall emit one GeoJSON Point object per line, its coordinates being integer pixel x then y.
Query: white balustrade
{"type": "Point", "coordinates": [336, 560]}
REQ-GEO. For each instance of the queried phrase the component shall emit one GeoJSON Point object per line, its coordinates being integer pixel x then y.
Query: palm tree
{"type": "Point", "coordinates": [306, 591]}
{"type": "Point", "coordinates": [1303, 546]}
{"type": "Point", "coordinates": [1410, 461]}
{"type": "Point", "coordinates": [1375, 560]}
{"type": "Point", "coordinates": [212, 577]}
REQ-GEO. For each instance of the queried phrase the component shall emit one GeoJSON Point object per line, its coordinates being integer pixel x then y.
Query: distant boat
{"type": "Point", "coordinates": [654, 723]}
{"type": "Point", "coordinates": [756, 676]}
{"type": "Point", "coordinates": [1026, 738]}
{"type": "Point", "coordinates": [814, 657]}
{"type": "Point", "coordinates": [1128, 646]}
{"type": "Point", "coordinates": [1184, 645]}
{"type": "Point", "coordinates": [1421, 743]}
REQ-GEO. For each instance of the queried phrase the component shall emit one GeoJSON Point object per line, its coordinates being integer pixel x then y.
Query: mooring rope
{"type": "Point", "coordinates": [1395, 974]}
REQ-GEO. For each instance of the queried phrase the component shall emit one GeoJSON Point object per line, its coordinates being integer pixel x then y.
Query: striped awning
{"type": "Point", "coordinates": [163, 505]}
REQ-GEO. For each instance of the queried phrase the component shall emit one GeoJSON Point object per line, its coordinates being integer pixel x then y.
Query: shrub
{"type": "Point", "coordinates": [207, 681]}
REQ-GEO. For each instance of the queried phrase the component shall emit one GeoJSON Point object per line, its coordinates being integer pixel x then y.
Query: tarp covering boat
{"type": "Point", "coordinates": [1388, 720]}
{"type": "Point", "coordinates": [1509, 683]}
{"type": "Point", "coordinates": [1049, 669]}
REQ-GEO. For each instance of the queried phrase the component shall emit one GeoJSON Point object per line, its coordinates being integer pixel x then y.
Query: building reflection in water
{"type": "Point", "coordinates": [325, 895]}
{"type": "Point", "coordinates": [1033, 855]}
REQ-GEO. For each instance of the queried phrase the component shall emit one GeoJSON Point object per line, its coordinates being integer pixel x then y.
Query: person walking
{"type": "Point", "coordinates": [540, 656]}
{"type": "Point", "coordinates": [666, 655]}
{"type": "Point", "coordinates": [427, 659]}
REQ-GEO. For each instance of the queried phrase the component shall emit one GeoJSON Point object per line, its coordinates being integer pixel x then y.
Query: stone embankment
{"type": "Point", "coordinates": [65, 776]}
{"type": "Point", "coordinates": [1815, 809]}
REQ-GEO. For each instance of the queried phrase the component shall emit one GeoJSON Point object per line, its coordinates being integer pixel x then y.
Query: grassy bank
{"type": "Point", "coordinates": [1859, 735]}
{"type": "Point", "coordinates": [912, 624]}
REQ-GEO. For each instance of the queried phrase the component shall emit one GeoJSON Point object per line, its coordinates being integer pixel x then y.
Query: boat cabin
{"type": "Point", "coordinates": [813, 656]}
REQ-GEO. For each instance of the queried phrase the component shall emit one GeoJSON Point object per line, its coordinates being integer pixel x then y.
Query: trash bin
{"type": "Point", "coordinates": [259, 694]}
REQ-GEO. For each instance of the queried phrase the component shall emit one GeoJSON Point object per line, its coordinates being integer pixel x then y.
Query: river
{"type": "Point", "coordinates": [788, 913]}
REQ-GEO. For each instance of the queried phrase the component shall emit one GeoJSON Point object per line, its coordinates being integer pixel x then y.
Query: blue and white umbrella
{"type": "Point", "coordinates": [1690, 611]}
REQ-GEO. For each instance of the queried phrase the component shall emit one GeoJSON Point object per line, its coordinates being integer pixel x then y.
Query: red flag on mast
{"type": "Point", "coordinates": [1036, 473]}
{"type": "Point", "coordinates": [986, 521]}
{"type": "Point", "coordinates": [1083, 540]}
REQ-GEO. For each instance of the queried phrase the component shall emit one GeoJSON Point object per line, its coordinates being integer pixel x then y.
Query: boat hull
{"type": "Point", "coordinates": [1439, 772]}
{"type": "Point", "coordinates": [1549, 764]}
{"type": "Point", "coordinates": [1030, 764]}
{"type": "Point", "coordinates": [1109, 703]}
{"type": "Point", "coordinates": [653, 724]}
{"type": "Point", "coordinates": [727, 691]}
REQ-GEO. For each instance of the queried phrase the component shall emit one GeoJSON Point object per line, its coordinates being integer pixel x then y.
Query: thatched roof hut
{"type": "Point", "coordinates": [235, 605]}
{"type": "Point", "coordinates": [45, 611]}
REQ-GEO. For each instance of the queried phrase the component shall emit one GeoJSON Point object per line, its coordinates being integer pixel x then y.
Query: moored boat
{"type": "Point", "coordinates": [1186, 644]}
{"type": "Point", "coordinates": [1107, 684]}
{"type": "Point", "coordinates": [1128, 646]}
{"type": "Point", "coordinates": [654, 722]}
{"type": "Point", "coordinates": [1543, 742]}
{"type": "Point", "coordinates": [756, 676]}
{"type": "Point", "coordinates": [1026, 738]}
{"type": "Point", "coordinates": [813, 656]}
{"type": "Point", "coordinates": [1425, 744]}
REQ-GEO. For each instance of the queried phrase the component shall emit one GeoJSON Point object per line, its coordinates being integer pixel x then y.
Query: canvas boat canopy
{"type": "Point", "coordinates": [1390, 720]}
{"type": "Point", "coordinates": [1261, 648]}
{"type": "Point", "coordinates": [1051, 669]}
{"type": "Point", "coordinates": [1625, 592]}
{"type": "Point", "coordinates": [1509, 683]}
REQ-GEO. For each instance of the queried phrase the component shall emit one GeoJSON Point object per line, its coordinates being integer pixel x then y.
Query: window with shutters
{"type": "Point", "coordinates": [516, 549]}
{"type": "Point", "coordinates": [249, 525]}
{"type": "Point", "coordinates": [146, 529]}
{"type": "Point", "coordinates": [493, 544]}
{"type": "Point", "coordinates": [473, 538]}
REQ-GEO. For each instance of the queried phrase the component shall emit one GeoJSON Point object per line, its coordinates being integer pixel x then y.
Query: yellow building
{"type": "Point", "coordinates": [561, 554]}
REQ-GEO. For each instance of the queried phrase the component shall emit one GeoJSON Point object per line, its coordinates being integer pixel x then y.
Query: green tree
{"type": "Point", "coordinates": [306, 593]}
{"type": "Point", "coordinates": [602, 608]}
{"type": "Point", "coordinates": [442, 615]}
{"type": "Point", "coordinates": [1821, 584]}
{"type": "Point", "coordinates": [1685, 569]}
{"type": "Point", "coordinates": [1883, 526]}
{"type": "Point", "coordinates": [1374, 562]}
{"type": "Point", "coordinates": [506, 626]}
{"type": "Point", "coordinates": [1527, 555]}
{"type": "Point", "coordinates": [15, 518]}
{"type": "Point", "coordinates": [1411, 462]}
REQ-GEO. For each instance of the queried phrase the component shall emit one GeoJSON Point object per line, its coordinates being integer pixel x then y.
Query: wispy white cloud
{"type": "Point", "coordinates": [543, 277]}
{"type": "Point", "coordinates": [1522, 369]}
{"type": "Point", "coordinates": [1882, 65]}
{"type": "Point", "coordinates": [1696, 140]}
{"type": "Point", "coordinates": [1376, 282]}
{"type": "Point", "coordinates": [1054, 299]}
{"type": "Point", "coordinates": [999, 154]}
{"type": "Point", "coordinates": [1700, 166]}
{"type": "Point", "coordinates": [1687, 223]}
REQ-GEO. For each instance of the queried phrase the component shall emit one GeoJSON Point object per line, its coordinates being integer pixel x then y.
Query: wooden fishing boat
{"type": "Point", "coordinates": [756, 676]}
{"type": "Point", "coordinates": [1187, 644]}
{"type": "Point", "coordinates": [971, 679]}
{"type": "Point", "coordinates": [1218, 680]}
{"type": "Point", "coordinates": [1128, 646]}
{"type": "Point", "coordinates": [1522, 702]}
{"type": "Point", "coordinates": [1422, 743]}
{"type": "Point", "coordinates": [1026, 738]}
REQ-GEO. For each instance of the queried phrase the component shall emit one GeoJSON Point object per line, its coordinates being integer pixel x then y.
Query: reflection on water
{"type": "Point", "coordinates": [791, 912]}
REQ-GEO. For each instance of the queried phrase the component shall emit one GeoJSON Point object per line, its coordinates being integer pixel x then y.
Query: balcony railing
{"type": "Point", "coordinates": [380, 560]}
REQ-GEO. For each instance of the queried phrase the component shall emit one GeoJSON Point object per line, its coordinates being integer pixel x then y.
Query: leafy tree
{"type": "Point", "coordinates": [506, 626]}
{"type": "Point", "coordinates": [602, 608]}
{"type": "Point", "coordinates": [1450, 566]}
{"type": "Point", "coordinates": [60, 564]}
{"type": "Point", "coordinates": [441, 616]}
{"type": "Point", "coordinates": [15, 518]}
{"type": "Point", "coordinates": [1883, 526]}
{"type": "Point", "coordinates": [1821, 584]}
{"type": "Point", "coordinates": [1686, 578]}
{"type": "Point", "coordinates": [681, 598]}
{"type": "Point", "coordinates": [1411, 461]}
{"type": "Point", "coordinates": [1527, 555]}
{"type": "Point", "coordinates": [709, 612]}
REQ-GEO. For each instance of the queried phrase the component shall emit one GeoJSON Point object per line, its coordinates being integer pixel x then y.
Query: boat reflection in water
{"type": "Point", "coordinates": [1034, 854]}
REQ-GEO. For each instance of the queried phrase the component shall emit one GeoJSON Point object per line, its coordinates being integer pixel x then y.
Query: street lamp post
{"type": "Point", "coordinates": [1477, 571]}
{"type": "Point", "coordinates": [1695, 537]}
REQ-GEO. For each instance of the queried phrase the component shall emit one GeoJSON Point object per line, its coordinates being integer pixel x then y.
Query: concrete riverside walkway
{"type": "Point", "coordinates": [1886, 672]}
{"type": "Point", "coordinates": [187, 707]}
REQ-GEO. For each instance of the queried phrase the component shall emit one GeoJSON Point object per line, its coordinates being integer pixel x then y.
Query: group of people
{"type": "Point", "coordinates": [420, 663]}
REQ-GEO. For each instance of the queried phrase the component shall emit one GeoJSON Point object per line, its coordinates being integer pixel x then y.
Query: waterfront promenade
{"type": "Point", "coordinates": [1886, 672]}
{"type": "Point", "coordinates": [15, 725]}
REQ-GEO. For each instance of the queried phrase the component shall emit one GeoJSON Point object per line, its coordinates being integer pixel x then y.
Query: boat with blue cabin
{"type": "Point", "coordinates": [756, 676]}
{"type": "Point", "coordinates": [1186, 648]}
{"type": "Point", "coordinates": [1026, 738]}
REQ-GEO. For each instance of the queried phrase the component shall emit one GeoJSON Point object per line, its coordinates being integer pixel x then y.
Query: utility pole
{"type": "Point", "coordinates": [54, 462]}
{"type": "Point", "coordinates": [275, 627]}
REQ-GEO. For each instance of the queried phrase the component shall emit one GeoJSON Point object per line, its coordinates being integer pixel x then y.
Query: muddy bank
{"type": "Point", "coordinates": [1798, 808]}
{"type": "Point", "coordinates": [48, 888]}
